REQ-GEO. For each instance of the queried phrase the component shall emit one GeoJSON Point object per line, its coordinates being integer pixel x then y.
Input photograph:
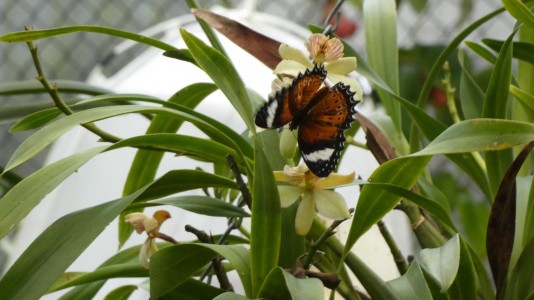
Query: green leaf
{"type": "Point", "coordinates": [480, 135]}
{"type": "Point", "coordinates": [482, 51]}
{"type": "Point", "coordinates": [24, 196]}
{"type": "Point", "coordinates": [520, 282]}
{"type": "Point", "coordinates": [442, 263]}
{"type": "Point", "coordinates": [193, 289]}
{"type": "Point", "coordinates": [146, 163]}
{"type": "Point", "coordinates": [266, 221]}
{"type": "Point", "coordinates": [467, 285]}
{"type": "Point", "coordinates": [279, 284]}
{"type": "Point", "coordinates": [495, 106]}
{"type": "Point", "coordinates": [411, 285]}
{"type": "Point", "coordinates": [520, 11]}
{"type": "Point", "coordinates": [32, 35]}
{"type": "Point", "coordinates": [170, 267]}
{"type": "Point", "coordinates": [34, 87]}
{"type": "Point", "coordinates": [471, 95]}
{"type": "Point", "coordinates": [375, 202]}
{"type": "Point", "coordinates": [35, 120]}
{"type": "Point", "coordinates": [57, 247]}
{"type": "Point", "coordinates": [521, 50]}
{"type": "Point", "coordinates": [177, 181]}
{"type": "Point", "coordinates": [204, 205]}
{"type": "Point", "coordinates": [105, 272]}
{"type": "Point", "coordinates": [523, 97]}
{"type": "Point", "coordinates": [381, 42]}
{"type": "Point", "coordinates": [223, 73]}
{"type": "Point", "coordinates": [121, 293]}
{"type": "Point", "coordinates": [230, 296]}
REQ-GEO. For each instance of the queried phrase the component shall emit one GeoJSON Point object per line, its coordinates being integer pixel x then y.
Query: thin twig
{"type": "Point", "coordinates": [315, 245]}
{"type": "Point", "coordinates": [335, 11]}
{"type": "Point", "coordinates": [215, 262]}
{"type": "Point", "coordinates": [247, 197]}
{"type": "Point", "coordinates": [401, 263]}
{"type": "Point", "coordinates": [60, 104]}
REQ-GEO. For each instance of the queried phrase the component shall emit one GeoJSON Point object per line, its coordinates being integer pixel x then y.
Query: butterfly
{"type": "Point", "coordinates": [321, 114]}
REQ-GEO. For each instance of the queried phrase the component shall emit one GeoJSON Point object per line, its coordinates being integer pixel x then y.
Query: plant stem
{"type": "Point", "coordinates": [427, 234]}
{"type": "Point", "coordinates": [60, 104]}
{"type": "Point", "coordinates": [401, 263]}
{"type": "Point", "coordinates": [245, 192]}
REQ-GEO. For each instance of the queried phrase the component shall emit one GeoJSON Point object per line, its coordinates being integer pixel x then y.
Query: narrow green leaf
{"type": "Point", "coordinates": [23, 197]}
{"type": "Point", "coordinates": [204, 205]}
{"type": "Point", "coordinates": [105, 272]}
{"type": "Point", "coordinates": [411, 285]}
{"type": "Point", "coordinates": [266, 221]}
{"type": "Point", "coordinates": [480, 135]}
{"type": "Point", "coordinates": [230, 296]}
{"type": "Point", "coordinates": [121, 293]}
{"type": "Point", "coordinates": [193, 289]}
{"type": "Point", "coordinates": [223, 73]}
{"type": "Point", "coordinates": [520, 11]}
{"type": "Point", "coordinates": [467, 285]}
{"type": "Point", "coordinates": [495, 106]}
{"type": "Point", "coordinates": [34, 87]}
{"type": "Point", "coordinates": [57, 247]}
{"type": "Point", "coordinates": [279, 284]}
{"type": "Point", "coordinates": [525, 98]}
{"type": "Point", "coordinates": [381, 42]}
{"type": "Point", "coordinates": [482, 51]}
{"type": "Point", "coordinates": [35, 120]}
{"type": "Point", "coordinates": [177, 181]}
{"type": "Point", "coordinates": [521, 50]}
{"type": "Point", "coordinates": [375, 202]}
{"type": "Point", "coordinates": [442, 263]}
{"type": "Point", "coordinates": [171, 266]}
{"type": "Point", "coordinates": [471, 95]}
{"type": "Point", "coordinates": [520, 282]}
{"type": "Point", "coordinates": [32, 35]}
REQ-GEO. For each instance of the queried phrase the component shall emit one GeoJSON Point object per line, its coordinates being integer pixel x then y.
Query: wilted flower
{"type": "Point", "coordinates": [142, 222]}
{"type": "Point", "coordinates": [323, 50]}
{"type": "Point", "coordinates": [313, 194]}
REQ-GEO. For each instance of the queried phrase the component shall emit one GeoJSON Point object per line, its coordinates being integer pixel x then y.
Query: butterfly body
{"type": "Point", "coordinates": [320, 114]}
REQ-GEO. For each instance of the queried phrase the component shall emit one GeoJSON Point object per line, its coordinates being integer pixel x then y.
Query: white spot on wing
{"type": "Point", "coordinates": [271, 113]}
{"type": "Point", "coordinates": [323, 154]}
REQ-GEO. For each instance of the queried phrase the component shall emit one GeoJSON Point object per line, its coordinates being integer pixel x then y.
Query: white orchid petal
{"type": "Point", "coordinates": [352, 82]}
{"type": "Point", "coordinates": [288, 194]}
{"type": "Point", "coordinates": [289, 67]}
{"type": "Point", "coordinates": [290, 53]}
{"type": "Point", "coordinates": [331, 205]}
{"type": "Point", "coordinates": [136, 219]}
{"type": "Point", "coordinates": [305, 214]}
{"type": "Point", "coordinates": [341, 66]}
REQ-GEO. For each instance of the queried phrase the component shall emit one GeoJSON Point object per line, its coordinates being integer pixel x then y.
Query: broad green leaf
{"type": "Point", "coordinates": [57, 247]}
{"type": "Point", "coordinates": [204, 205]}
{"type": "Point", "coordinates": [467, 285]}
{"type": "Point", "coordinates": [121, 293]}
{"type": "Point", "coordinates": [381, 42]}
{"type": "Point", "coordinates": [32, 35]}
{"type": "Point", "coordinates": [172, 266]}
{"type": "Point", "coordinates": [521, 50]}
{"type": "Point", "coordinates": [442, 263]}
{"type": "Point", "coordinates": [266, 221]}
{"type": "Point", "coordinates": [411, 285]}
{"type": "Point", "coordinates": [471, 95]}
{"type": "Point", "coordinates": [279, 284]}
{"type": "Point", "coordinates": [480, 135]}
{"type": "Point", "coordinates": [223, 74]}
{"type": "Point", "coordinates": [24, 196]}
{"type": "Point", "coordinates": [375, 202]}
{"type": "Point", "coordinates": [520, 11]}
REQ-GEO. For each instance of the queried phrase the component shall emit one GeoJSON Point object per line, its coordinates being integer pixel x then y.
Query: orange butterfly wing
{"type": "Point", "coordinates": [320, 136]}
{"type": "Point", "coordinates": [287, 102]}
